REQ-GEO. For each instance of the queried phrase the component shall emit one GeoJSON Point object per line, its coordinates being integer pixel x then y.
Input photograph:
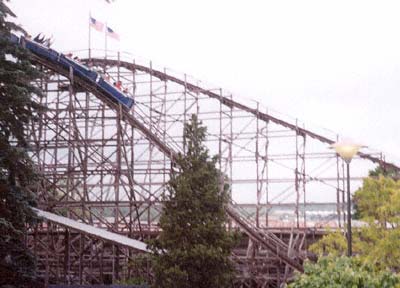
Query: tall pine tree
{"type": "Point", "coordinates": [194, 246]}
{"type": "Point", "coordinates": [17, 109]}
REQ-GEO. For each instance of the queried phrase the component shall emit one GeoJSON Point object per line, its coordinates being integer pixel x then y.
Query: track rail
{"type": "Point", "coordinates": [272, 243]}
{"type": "Point", "coordinates": [100, 94]}
{"type": "Point", "coordinates": [231, 103]}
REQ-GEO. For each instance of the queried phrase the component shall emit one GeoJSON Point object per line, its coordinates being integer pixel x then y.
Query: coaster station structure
{"type": "Point", "coordinates": [107, 166]}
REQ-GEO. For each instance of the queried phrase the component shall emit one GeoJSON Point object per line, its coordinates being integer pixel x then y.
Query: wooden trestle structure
{"type": "Point", "coordinates": [107, 167]}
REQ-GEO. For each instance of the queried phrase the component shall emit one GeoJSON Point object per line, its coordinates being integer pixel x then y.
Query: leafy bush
{"type": "Point", "coordinates": [343, 272]}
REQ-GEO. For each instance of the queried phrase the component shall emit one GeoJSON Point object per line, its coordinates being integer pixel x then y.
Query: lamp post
{"type": "Point", "coordinates": [347, 151]}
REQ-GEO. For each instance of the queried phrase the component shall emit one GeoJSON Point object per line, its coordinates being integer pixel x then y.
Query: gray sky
{"type": "Point", "coordinates": [332, 64]}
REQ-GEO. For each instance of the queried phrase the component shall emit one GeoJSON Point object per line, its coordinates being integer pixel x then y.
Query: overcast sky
{"type": "Point", "coordinates": [333, 64]}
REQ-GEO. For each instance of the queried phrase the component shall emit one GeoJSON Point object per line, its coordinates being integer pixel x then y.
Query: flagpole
{"type": "Point", "coordinates": [90, 34]}
{"type": "Point", "coordinates": [105, 40]}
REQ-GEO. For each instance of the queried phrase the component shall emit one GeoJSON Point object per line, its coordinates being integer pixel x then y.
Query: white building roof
{"type": "Point", "coordinates": [96, 232]}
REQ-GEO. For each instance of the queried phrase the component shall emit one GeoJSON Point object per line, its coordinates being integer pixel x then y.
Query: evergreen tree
{"type": "Point", "coordinates": [17, 175]}
{"type": "Point", "coordinates": [194, 246]}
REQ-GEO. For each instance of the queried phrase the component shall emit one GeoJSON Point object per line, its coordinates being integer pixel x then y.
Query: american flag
{"type": "Point", "coordinates": [97, 25]}
{"type": "Point", "coordinates": [111, 33]}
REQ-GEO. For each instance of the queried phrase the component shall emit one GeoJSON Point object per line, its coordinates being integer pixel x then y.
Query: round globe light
{"type": "Point", "coordinates": [346, 150]}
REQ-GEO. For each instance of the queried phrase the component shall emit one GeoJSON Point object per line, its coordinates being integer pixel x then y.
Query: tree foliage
{"type": "Point", "coordinates": [194, 246]}
{"type": "Point", "coordinates": [381, 170]}
{"type": "Point", "coordinates": [17, 175]}
{"type": "Point", "coordinates": [378, 201]}
{"type": "Point", "coordinates": [343, 272]}
{"type": "Point", "coordinates": [334, 244]}
{"type": "Point", "coordinates": [377, 242]}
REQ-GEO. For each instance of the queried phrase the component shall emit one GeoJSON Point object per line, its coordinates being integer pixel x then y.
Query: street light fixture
{"type": "Point", "coordinates": [347, 151]}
